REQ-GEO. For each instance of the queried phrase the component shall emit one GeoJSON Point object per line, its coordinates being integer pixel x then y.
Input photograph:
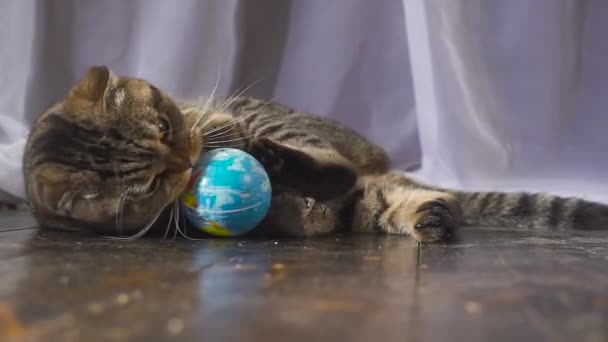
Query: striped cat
{"type": "Point", "coordinates": [117, 151]}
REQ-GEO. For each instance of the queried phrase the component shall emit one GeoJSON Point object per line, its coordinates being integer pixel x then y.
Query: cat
{"type": "Point", "coordinates": [117, 152]}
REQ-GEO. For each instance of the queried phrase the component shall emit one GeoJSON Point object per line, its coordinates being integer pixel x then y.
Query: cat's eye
{"type": "Point", "coordinates": [164, 130]}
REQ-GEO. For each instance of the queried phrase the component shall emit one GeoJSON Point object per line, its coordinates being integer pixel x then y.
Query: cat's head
{"type": "Point", "coordinates": [110, 156]}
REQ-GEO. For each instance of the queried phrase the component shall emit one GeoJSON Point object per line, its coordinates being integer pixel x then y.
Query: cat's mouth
{"type": "Point", "coordinates": [181, 183]}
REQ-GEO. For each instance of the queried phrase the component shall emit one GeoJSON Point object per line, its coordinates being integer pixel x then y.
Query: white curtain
{"type": "Point", "coordinates": [482, 94]}
{"type": "Point", "coordinates": [512, 94]}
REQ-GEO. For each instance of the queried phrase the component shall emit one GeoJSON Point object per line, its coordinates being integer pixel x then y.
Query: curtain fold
{"type": "Point", "coordinates": [509, 94]}
{"type": "Point", "coordinates": [479, 94]}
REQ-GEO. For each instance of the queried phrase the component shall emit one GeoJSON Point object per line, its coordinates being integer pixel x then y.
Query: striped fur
{"type": "Point", "coordinates": [391, 203]}
{"type": "Point", "coordinates": [532, 210]}
{"type": "Point", "coordinates": [517, 210]}
{"type": "Point", "coordinates": [117, 151]}
{"type": "Point", "coordinates": [94, 160]}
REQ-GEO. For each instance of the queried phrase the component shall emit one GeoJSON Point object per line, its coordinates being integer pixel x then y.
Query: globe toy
{"type": "Point", "coordinates": [228, 194]}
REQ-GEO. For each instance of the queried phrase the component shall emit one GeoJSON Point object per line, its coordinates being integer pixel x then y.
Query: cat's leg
{"type": "Point", "coordinates": [314, 170]}
{"type": "Point", "coordinates": [292, 214]}
{"type": "Point", "coordinates": [393, 204]}
{"type": "Point", "coordinates": [318, 172]}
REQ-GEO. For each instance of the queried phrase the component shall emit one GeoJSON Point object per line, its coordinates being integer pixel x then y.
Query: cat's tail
{"type": "Point", "coordinates": [531, 210]}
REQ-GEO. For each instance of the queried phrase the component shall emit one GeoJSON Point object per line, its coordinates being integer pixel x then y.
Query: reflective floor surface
{"type": "Point", "coordinates": [491, 285]}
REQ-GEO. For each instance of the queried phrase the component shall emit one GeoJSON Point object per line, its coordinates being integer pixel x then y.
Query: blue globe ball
{"type": "Point", "coordinates": [229, 193]}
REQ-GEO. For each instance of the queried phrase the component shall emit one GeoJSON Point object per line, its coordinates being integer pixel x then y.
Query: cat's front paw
{"type": "Point", "coordinates": [264, 152]}
{"type": "Point", "coordinates": [434, 222]}
{"type": "Point", "coordinates": [304, 171]}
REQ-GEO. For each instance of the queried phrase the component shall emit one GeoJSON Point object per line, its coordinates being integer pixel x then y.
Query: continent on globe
{"type": "Point", "coordinates": [228, 194]}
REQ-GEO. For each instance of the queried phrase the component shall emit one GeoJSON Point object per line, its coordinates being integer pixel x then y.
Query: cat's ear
{"type": "Point", "coordinates": [94, 84]}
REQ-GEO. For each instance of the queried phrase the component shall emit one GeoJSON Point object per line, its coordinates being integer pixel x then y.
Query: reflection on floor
{"type": "Point", "coordinates": [492, 285]}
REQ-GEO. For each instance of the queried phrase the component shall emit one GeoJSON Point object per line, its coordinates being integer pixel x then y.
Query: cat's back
{"type": "Point", "coordinates": [281, 123]}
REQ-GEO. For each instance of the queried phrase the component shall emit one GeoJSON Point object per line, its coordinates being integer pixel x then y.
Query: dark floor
{"type": "Point", "coordinates": [493, 285]}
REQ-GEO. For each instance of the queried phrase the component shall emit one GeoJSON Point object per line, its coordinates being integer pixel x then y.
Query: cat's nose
{"type": "Point", "coordinates": [193, 160]}
{"type": "Point", "coordinates": [187, 164]}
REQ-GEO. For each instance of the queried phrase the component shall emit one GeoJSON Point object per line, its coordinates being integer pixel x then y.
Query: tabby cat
{"type": "Point", "coordinates": [117, 151]}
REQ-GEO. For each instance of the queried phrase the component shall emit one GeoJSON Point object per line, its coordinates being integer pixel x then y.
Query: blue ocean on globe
{"type": "Point", "coordinates": [229, 193]}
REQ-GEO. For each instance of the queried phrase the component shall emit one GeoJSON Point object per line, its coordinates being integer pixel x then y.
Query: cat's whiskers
{"type": "Point", "coordinates": [169, 223]}
{"type": "Point", "coordinates": [177, 226]}
{"type": "Point", "coordinates": [243, 138]}
{"type": "Point", "coordinates": [139, 234]}
{"type": "Point", "coordinates": [242, 118]}
{"type": "Point", "coordinates": [201, 114]}
{"type": "Point", "coordinates": [225, 130]}
{"type": "Point", "coordinates": [175, 218]}
{"type": "Point", "coordinates": [209, 101]}
{"type": "Point", "coordinates": [120, 209]}
{"type": "Point", "coordinates": [220, 109]}
{"type": "Point", "coordinates": [176, 208]}
{"type": "Point", "coordinates": [205, 123]}
{"type": "Point", "coordinates": [230, 100]}
{"type": "Point", "coordinates": [237, 146]}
